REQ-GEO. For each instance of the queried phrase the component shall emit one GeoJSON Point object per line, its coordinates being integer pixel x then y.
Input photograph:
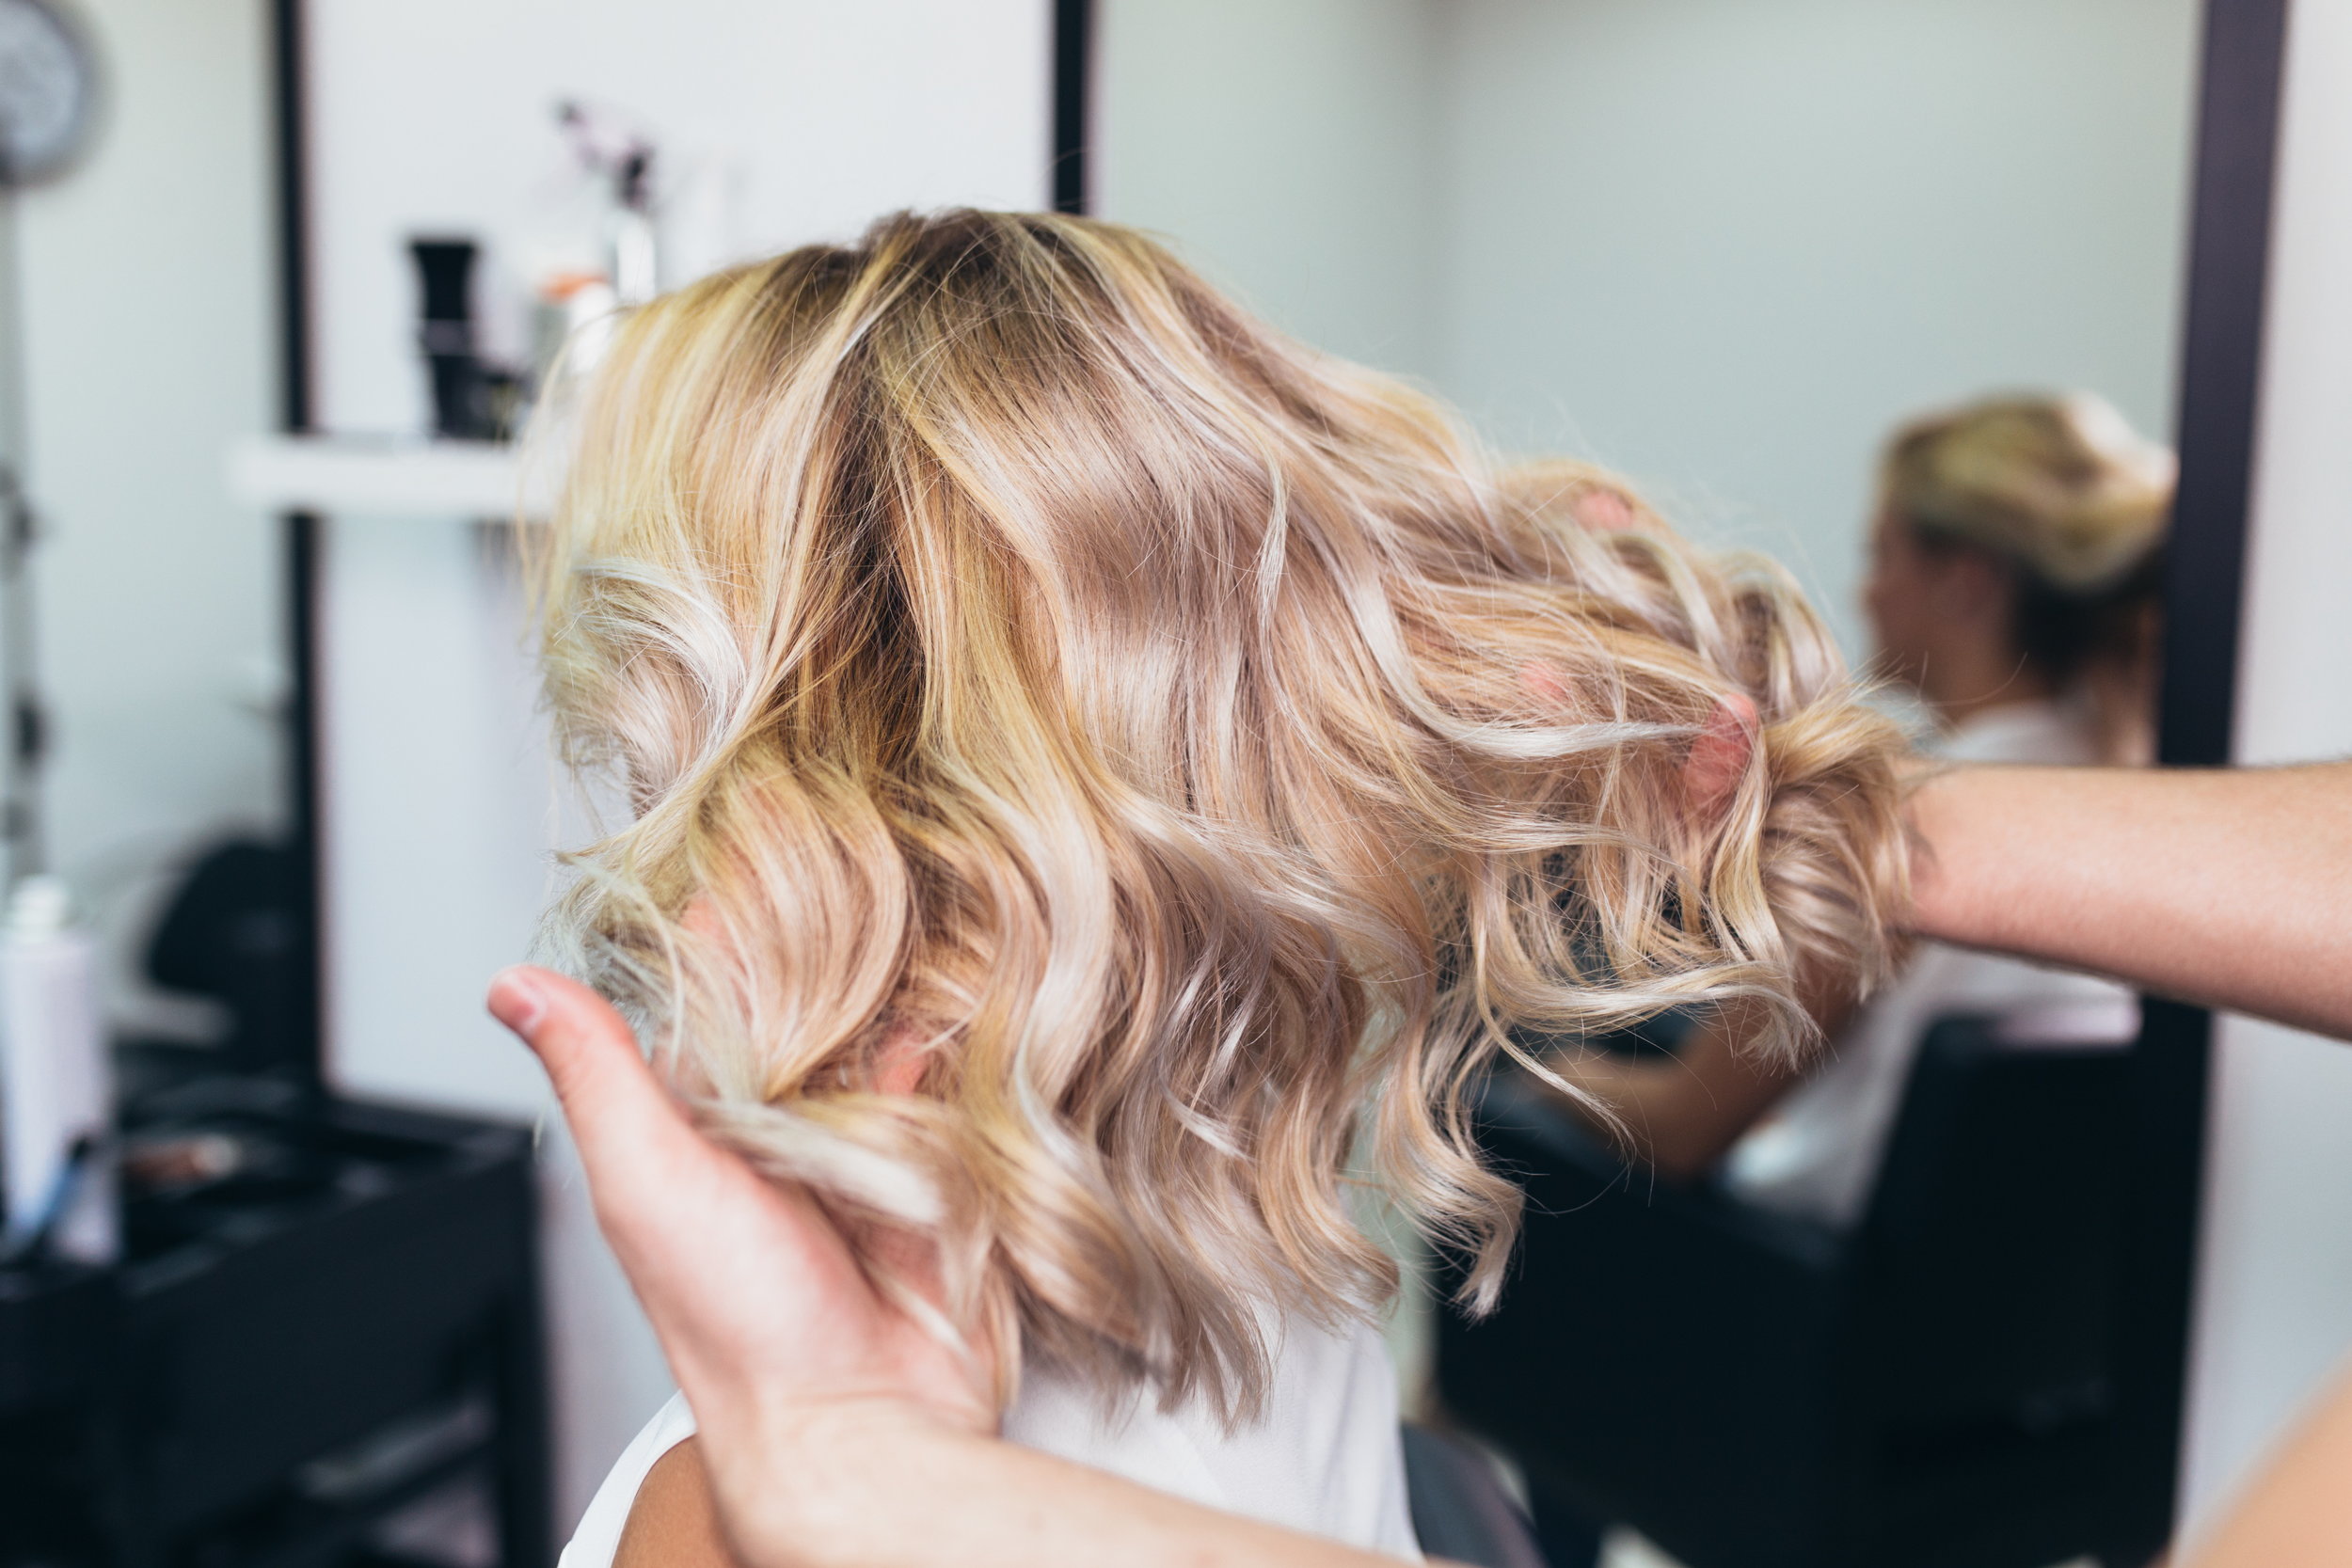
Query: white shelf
{"type": "Point", "coordinates": [382, 477]}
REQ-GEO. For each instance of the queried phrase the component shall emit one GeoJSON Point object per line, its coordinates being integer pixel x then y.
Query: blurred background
{"type": "Point", "coordinates": [285, 276]}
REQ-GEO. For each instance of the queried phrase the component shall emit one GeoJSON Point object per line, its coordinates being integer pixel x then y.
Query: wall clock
{"type": "Point", "coordinates": [48, 92]}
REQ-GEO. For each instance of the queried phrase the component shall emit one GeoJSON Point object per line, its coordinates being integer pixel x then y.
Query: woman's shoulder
{"type": "Point", "coordinates": [597, 1540]}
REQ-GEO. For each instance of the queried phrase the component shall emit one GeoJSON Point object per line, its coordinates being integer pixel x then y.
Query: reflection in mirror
{"type": "Point", "coordinates": [150, 629]}
{"type": "Point", "coordinates": [1889, 293]}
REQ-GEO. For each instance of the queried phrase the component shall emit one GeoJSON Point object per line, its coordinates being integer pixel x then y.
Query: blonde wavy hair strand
{"type": "Point", "coordinates": [1094, 761]}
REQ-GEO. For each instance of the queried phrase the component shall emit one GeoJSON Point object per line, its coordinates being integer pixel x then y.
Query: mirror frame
{"type": "Point", "coordinates": [301, 532]}
{"type": "Point", "coordinates": [2240, 73]}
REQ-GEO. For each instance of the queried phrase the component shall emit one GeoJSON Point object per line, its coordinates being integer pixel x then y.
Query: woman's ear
{"type": "Point", "coordinates": [1719, 757]}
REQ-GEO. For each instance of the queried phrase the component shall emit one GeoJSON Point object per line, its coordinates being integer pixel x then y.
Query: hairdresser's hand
{"type": "Point", "coordinates": [832, 1430]}
{"type": "Point", "coordinates": [770, 1327]}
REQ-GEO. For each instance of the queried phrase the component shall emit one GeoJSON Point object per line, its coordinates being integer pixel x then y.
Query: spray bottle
{"type": "Point", "coordinates": [55, 1090]}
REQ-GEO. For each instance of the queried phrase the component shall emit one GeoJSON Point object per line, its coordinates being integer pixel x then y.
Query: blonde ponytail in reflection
{"type": "Point", "coordinates": [1098, 765]}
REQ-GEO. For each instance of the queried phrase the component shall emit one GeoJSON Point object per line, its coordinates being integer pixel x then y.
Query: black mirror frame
{"type": "Point", "coordinates": [2240, 73]}
{"type": "Point", "coordinates": [302, 531]}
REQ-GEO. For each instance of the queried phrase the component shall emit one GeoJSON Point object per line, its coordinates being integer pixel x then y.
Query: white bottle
{"type": "Point", "coordinates": [56, 1087]}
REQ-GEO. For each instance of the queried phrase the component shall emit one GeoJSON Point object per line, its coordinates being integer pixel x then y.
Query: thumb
{"type": "Point", "coordinates": [623, 1122]}
{"type": "Point", "coordinates": [680, 1211]}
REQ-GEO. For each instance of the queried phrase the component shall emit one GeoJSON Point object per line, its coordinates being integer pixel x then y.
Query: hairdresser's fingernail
{"type": "Point", "coordinates": [517, 1001]}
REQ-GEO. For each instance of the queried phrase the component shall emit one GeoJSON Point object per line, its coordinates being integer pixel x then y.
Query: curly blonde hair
{"type": "Point", "coordinates": [1097, 764]}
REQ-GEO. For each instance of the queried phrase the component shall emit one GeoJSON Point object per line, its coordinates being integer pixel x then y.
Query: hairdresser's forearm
{"type": "Point", "coordinates": [2292, 1515]}
{"type": "Point", "coordinates": [882, 1489]}
{"type": "Point", "coordinates": [2232, 888]}
{"type": "Point", "coordinates": [1681, 1115]}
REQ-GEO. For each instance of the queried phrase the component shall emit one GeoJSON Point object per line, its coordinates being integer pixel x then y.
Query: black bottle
{"type": "Point", "coordinates": [467, 393]}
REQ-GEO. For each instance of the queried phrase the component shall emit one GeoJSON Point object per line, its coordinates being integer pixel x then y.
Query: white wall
{"type": "Point", "coordinates": [148, 342]}
{"type": "Point", "coordinates": [799, 119]}
{"type": "Point", "coordinates": [1287, 146]}
{"type": "Point", "coordinates": [2274, 1305]}
{"type": "Point", "coordinates": [1723, 246]}
{"type": "Point", "coordinates": [810, 118]}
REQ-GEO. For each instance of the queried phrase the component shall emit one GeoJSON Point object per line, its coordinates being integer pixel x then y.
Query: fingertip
{"type": "Point", "coordinates": [1720, 755]}
{"type": "Point", "coordinates": [1545, 683]}
{"type": "Point", "coordinates": [518, 998]}
{"type": "Point", "coordinates": [1605, 511]}
{"type": "Point", "coordinates": [578, 1036]}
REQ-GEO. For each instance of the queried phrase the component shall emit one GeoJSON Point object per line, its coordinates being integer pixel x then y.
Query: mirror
{"type": "Point", "coordinates": [155, 610]}
{"type": "Point", "coordinates": [1729, 251]}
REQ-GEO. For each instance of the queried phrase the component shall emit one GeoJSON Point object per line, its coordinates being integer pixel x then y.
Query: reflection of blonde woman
{"type": "Point", "coordinates": [2013, 587]}
{"type": "Point", "coordinates": [1099, 767]}
{"type": "Point", "coordinates": [2015, 568]}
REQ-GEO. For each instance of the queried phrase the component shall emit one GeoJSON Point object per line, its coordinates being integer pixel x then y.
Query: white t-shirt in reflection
{"type": "Point", "coordinates": [1816, 1154]}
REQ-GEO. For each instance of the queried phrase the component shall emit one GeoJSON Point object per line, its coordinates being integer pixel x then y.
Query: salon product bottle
{"type": "Point", "coordinates": [464, 391]}
{"type": "Point", "coordinates": [572, 323]}
{"type": "Point", "coordinates": [55, 1089]}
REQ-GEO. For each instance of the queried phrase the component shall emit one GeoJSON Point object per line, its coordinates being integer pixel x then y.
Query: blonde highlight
{"type": "Point", "coordinates": [1095, 762]}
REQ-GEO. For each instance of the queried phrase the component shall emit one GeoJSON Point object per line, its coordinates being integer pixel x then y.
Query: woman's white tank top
{"type": "Point", "coordinates": [1322, 1457]}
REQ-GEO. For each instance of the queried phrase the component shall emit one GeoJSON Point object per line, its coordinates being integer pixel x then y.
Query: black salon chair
{"type": "Point", "coordinates": [1461, 1512]}
{"type": "Point", "coordinates": [1932, 1390]}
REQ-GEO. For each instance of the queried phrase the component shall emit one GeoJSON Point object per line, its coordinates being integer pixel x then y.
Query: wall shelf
{"type": "Point", "coordinates": [383, 476]}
